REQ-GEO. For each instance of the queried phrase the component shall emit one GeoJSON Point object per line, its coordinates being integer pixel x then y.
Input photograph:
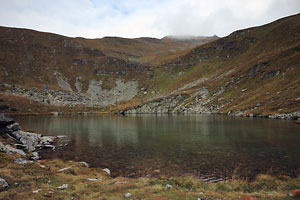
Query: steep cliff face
{"type": "Point", "coordinates": [250, 72]}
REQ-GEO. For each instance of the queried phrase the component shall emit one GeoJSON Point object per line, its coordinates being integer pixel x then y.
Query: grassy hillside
{"type": "Point", "coordinates": [253, 71]}
{"type": "Point", "coordinates": [256, 70]}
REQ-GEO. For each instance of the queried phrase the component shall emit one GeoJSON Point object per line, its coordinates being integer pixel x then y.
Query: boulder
{"type": "Point", "coordinates": [21, 161]}
{"type": "Point", "coordinates": [10, 150]}
{"type": "Point", "coordinates": [5, 120]}
{"type": "Point", "coordinates": [12, 128]}
{"type": "Point", "coordinates": [30, 140]}
{"type": "Point", "coordinates": [35, 156]}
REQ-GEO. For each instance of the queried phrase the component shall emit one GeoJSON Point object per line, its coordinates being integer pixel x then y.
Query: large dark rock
{"type": "Point", "coordinates": [5, 120]}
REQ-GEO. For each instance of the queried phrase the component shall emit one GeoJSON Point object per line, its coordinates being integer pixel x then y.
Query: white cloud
{"type": "Point", "coordinates": [137, 18]}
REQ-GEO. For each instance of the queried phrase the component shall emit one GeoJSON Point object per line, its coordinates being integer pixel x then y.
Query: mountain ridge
{"type": "Point", "coordinates": [163, 76]}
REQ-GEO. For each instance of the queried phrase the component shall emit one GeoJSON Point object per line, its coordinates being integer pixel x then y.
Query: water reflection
{"type": "Point", "coordinates": [175, 145]}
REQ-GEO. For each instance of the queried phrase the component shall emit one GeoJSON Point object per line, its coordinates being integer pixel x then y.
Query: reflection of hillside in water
{"type": "Point", "coordinates": [175, 145]}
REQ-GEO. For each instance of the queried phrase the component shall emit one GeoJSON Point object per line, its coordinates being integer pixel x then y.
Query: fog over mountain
{"type": "Point", "coordinates": [142, 18]}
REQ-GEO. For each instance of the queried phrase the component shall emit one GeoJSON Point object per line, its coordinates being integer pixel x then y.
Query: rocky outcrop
{"type": "Point", "coordinates": [158, 106]}
{"type": "Point", "coordinates": [198, 102]}
{"type": "Point", "coordinates": [10, 150]}
{"type": "Point", "coordinates": [95, 95]}
{"type": "Point", "coordinates": [26, 140]}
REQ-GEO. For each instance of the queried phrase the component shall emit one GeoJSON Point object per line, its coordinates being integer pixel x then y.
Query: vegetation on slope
{"type": "Point", "coordinates": [253, 71]}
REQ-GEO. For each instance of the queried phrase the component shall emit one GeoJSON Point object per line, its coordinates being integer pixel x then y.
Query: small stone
{"type": "Point", "coordinates": [35, 156]}
{"type": "Point", "coordinates": [64, 186]}
{"type": "Point", "coordinates": [36, 191]}
{"type": "Point", "coordinates": [107, 171]}
{"type": "Point", "coordinates": [3, 183]}
{"type": "Point", "coordinates": [85, 164]}
{"type": "Point", "coordinates": [127, 195]}
{"type": "Point", "coordinates": [168, 187]}
{"type": "Point", "coordinates": [93, 179]}
{"type": "Point", "coordinates": [54, 113]}
{"type": "Point", "coordinates": [201, 193]}
{"type": "Point", "coordinates": [21, 161]}
{"type": "Point", "coordinates": [61, 136]}
{"type": "Point", "coordinates": [64, 169]}
{"type": "Point", "coordinates": [42, 166]}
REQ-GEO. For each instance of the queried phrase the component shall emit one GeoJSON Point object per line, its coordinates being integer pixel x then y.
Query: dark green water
{"type": "Point", "coordinates": [151, 145]}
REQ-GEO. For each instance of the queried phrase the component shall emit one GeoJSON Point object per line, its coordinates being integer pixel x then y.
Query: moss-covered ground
{"type": "Point", "coordinates": [40, 180]}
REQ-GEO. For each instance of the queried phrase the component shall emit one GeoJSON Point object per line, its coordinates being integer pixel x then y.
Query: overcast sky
{"type": "Point", "coordinates": [142, 18]}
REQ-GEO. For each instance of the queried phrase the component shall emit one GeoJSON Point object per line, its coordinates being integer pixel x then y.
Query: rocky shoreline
{"type": "Point", "coordinates": [176, 105]}
{"type": "Point", "coordinates": [26, 143]}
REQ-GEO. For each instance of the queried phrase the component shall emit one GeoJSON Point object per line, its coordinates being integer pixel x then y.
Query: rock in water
{"type": "Point", "coordinates": [3, 184]}
{"type": "Point", "coordinates": [5, 120]}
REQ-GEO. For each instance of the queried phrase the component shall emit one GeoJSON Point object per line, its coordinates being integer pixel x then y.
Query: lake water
{"type": "Point", "coordinates": [153, 145]}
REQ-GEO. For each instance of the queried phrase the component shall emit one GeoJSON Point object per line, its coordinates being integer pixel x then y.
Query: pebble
{"type": "Point", "coordinates": [168, 186]}
{"type": "Point", "coordinates": [85, 164]}
{"type": "Point", "coordinates": [61, 136]}
{"type": "Point", "coordinates": [107, 171]}
{"type": "Point", "coordinates": [127, 195]}
{"type": "Point", "coordinates": [36, 191]}
{"type": "Point", "coordinates": [3, 183]}
{"type": "Point", "coordinates": [64, 169]}
{"type": "Point", "coordinates": [64, 186]}
{"type": "Point", "coordinates": [93, 179]}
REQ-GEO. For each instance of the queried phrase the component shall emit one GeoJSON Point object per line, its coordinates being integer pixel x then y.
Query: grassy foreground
{"type": "Point", "coordinates": [39, 180]}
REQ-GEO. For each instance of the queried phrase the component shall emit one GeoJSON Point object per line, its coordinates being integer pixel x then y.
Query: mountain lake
{"type": "Point", "coordinates": [174, 145]}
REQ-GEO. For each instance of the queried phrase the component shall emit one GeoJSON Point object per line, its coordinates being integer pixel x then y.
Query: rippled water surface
{"type": "Point", "coordinates": [151, 145]}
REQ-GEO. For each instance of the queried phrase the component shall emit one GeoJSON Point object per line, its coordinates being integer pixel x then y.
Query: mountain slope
{"type": "Point", "coordinates": [63, 71]}
{"type": "Point", "coordinates": [254, 71]}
